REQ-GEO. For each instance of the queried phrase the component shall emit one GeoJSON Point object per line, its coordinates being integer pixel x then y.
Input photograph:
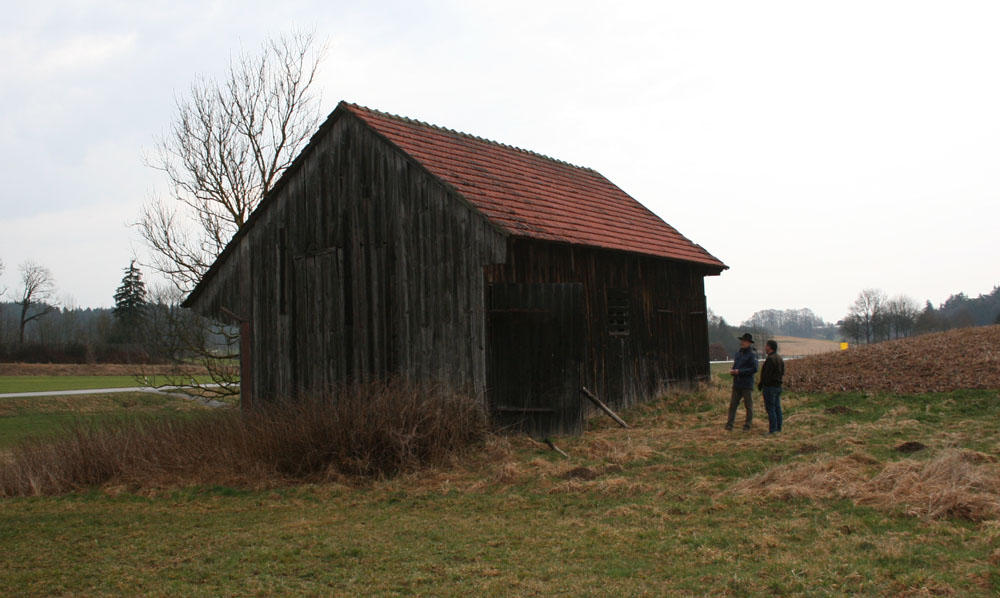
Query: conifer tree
{"type": "Point", "coordinates": [130, 302]}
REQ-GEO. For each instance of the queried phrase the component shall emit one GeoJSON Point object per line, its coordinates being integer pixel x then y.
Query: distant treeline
{"type": "Point", "coordinates": [763, 325]}
{"type": "Point", "coordinates": [874, 317]}
{"type": "Point", "coordinates": [722, 343]}
{"type": "Point", "coordinates": [69, 335]}
{"type": "Point", "coordinates": [94, 335]}
{"type": "Point", "coordinates": [960, 311]}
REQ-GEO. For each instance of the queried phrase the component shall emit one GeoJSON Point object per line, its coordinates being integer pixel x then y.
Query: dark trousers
{"type": "Point", "coordinates": [740, 394]}
{"type": "Point", "coordinates": [772, 403]}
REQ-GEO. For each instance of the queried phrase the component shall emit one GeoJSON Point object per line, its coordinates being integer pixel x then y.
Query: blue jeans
{"type": "Point", "coordinates": [772, 403]}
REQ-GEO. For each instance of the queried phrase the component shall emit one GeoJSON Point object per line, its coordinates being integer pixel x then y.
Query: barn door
{"type": "Point", "coordinates": [535, 357]}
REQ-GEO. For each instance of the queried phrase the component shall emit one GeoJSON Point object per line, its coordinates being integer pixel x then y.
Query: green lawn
{"type": "Point", "coordinates": [659, 518]}
{"type": "Point", "coordinates": [12, 384]}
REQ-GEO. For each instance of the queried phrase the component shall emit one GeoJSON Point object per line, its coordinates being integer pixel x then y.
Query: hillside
{"type": "Point", "coordinates": [941, 362]}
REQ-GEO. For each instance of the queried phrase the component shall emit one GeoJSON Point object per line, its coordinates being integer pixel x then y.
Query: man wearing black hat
{"type": "Point", "coordinates": [744, 367]}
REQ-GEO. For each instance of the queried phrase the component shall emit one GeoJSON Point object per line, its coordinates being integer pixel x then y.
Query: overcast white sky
{"type": "Point", "coordinates": [815, 147]}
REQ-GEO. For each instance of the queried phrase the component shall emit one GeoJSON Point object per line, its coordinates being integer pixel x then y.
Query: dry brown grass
{"type": "Point", "coordinates": [359, 432]}
{"type": "Point", "coordinates": [960, 484]}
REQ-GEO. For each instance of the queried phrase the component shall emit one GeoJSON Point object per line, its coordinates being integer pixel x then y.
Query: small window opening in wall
{"type": "Point", "coordinates": [618, 312]}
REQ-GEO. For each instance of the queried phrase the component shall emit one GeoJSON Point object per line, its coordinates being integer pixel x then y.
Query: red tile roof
{"type": "Point", "coordinates": [535, 196]}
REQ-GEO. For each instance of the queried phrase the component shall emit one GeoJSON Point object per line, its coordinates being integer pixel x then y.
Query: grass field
{"type": "Point", "coordinates": [16, 384]}
{"type": "Point", "coordinates": [13, 384]}
{"type": "Point", "coordinates": [43, 416]}
{"type": "Point", "coordinates": [656, 510]}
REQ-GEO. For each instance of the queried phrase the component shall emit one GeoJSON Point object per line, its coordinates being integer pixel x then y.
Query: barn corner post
{"type": "Point", "coordinates": [246, 369]}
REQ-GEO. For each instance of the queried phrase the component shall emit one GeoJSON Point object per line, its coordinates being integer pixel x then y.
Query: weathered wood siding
{"type": "Point", "coordinates": [666, 340]}
{"type": "Point", "coordinates": [364, 267]}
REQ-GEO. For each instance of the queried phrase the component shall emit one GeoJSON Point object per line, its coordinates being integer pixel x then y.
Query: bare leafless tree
{"type": "Point", "coordinates": [188, 340]}
{"type": "Point", "coordinates": [3, 290]}
{"type": "Point", "coordinates": [852, 327]}
{"type": "Point", "coordinates": [869, 309]}
{"type": "Point", "coordinates": [37, 295]}
{"type": "Point", "coordinates": [902, 313]}
{"type": "Point", "coordinates": [228, 144]}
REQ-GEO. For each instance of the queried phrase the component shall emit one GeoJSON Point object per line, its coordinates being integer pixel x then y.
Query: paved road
{"type": "Point", "coordinates": [167, 390]}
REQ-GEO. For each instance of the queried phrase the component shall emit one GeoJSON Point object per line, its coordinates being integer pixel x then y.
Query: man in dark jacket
{"type": "Point", "coordinates": [744, 367]}
{"type": "Point", "coordinates": [770, 384]}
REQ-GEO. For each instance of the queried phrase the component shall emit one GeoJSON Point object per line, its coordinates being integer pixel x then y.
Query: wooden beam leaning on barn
{"type": "Point", "coordinates": [600, 404]}
{"type": "Point", "coordinates": [556, 448]}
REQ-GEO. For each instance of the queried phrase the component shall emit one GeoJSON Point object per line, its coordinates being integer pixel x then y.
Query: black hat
{"type": "Point", "coordinates": [746, 337]}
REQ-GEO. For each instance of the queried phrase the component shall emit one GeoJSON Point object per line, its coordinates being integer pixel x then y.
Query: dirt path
{"type": "Point", "coordinates": [166, 390]}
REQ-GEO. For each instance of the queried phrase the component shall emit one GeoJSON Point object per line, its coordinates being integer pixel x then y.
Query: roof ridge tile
{"type": "Point", "coordinates": [414, 121]}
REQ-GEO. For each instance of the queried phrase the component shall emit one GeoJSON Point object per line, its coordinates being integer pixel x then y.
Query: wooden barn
{"type": "Point", "coordinates": [392, 247]}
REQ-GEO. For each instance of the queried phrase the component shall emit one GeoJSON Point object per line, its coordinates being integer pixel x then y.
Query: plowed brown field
{"type": "Point", "coordinates": [97, 369]}
{"type": "Point", "coordinates": [793, 345]}
{"type": "Point", "coordinates": [940, 362]}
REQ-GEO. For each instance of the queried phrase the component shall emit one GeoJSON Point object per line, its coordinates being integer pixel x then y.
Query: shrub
{"type": "Point", "coordinates": [364, 431]}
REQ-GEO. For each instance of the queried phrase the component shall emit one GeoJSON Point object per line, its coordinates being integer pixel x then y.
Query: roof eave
{"type": "Point", "coordinates": [715, 268]}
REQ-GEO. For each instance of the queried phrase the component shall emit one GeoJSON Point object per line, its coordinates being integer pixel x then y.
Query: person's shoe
{"type": "Point", "coordinates": [729, 428]}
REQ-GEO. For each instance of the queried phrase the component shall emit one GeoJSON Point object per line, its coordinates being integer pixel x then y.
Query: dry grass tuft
{"type": "Point", "coordinates": [957, 484]}
{"type": "Point", "coordinates": [623, 511]}
{"type": "Point", "coordinates": [580, 473]}
{"type": "Point", "coordinates": [617, 486]}
{"type": "Point", "coordinates": [926, 589]}
{"type": "Point", "coordinates": [359, 432]}
{"type": "Point", "coordinates": [818, 479]}
{"type": "Point", "coordinates": [618, 451]}
{"type": "Point", "coordinates": [960, 484]}
{"type": "Point", "coordinates": [971, 456]}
